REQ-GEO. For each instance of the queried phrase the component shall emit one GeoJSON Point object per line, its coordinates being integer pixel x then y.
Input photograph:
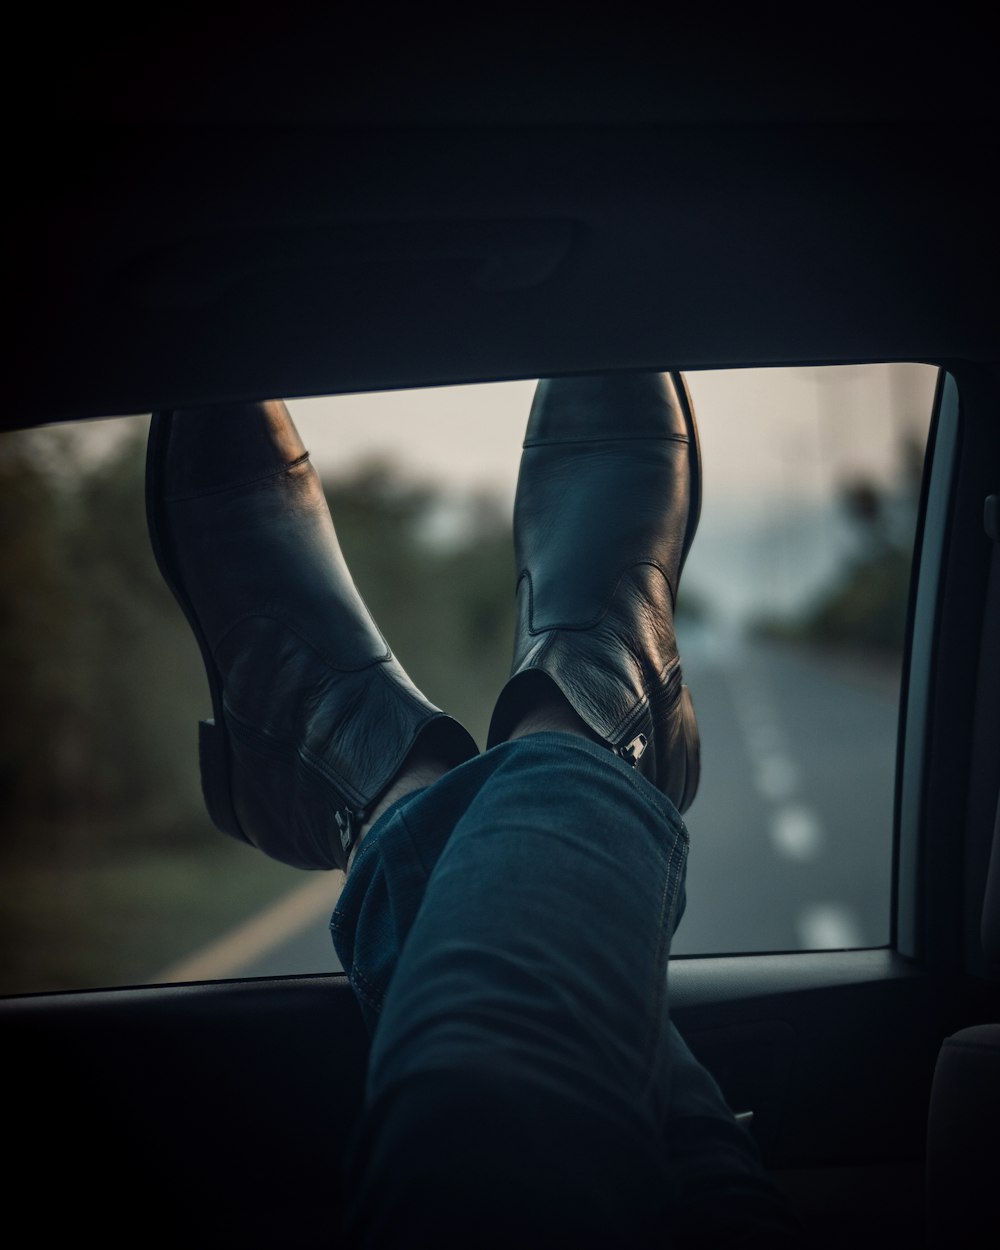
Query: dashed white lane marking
{"type": "Point", "coordinates": [278, 923]}
{"type": "Point", "coordinates": [796, 832]}
{"type": "Point", "coordinates": [776, 777]}
{"type": "Point", "coordinates": [828, 926]}
{"type": "Point", "coordinates": [764, 738]}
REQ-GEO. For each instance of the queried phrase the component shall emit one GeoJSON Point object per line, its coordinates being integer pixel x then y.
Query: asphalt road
{"type": "Point", "coordinates": [790, 835]}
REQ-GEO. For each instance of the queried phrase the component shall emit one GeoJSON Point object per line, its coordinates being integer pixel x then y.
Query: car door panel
{"type": "Point", "coordinates": [230, 1106]}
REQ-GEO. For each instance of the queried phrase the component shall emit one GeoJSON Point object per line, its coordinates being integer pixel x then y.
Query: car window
{"type": "Point", "coordinates": [790, 619]}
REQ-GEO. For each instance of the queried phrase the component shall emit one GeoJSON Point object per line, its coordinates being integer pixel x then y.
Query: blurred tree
{"type": "Point", "coordinates": [37, 761]}
{"type": "Point", "coordinates": [446, 607]}
{"type": "Point", "coordinates": [862, 501]}
{"type": "Point", "coordinates": [104, 683]}
{"type": "Point", "coordinates": [100, 672]}
{"type": "Point", "coordinates": [111, 867]}
{"type": "Point", "coordinates": [866, 606]}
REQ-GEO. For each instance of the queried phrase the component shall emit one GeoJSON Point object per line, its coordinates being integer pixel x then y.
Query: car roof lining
{"type": "Point", "coordinates": [193, 230]}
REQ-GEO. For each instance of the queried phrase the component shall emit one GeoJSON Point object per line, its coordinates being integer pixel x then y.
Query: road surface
{"type": "Point", "coordinates": [790, 834]}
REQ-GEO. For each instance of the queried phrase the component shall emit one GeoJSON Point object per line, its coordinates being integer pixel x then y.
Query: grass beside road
{"type": "Point", "coordinates": [122, 917]}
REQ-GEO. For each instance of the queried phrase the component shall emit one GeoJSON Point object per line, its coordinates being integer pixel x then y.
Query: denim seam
{"type": "Point", "coordinates": [658, 989]}
{"type": "Point", "coordinates": [365, 989]}
{"type": "Point", "coordinates": [671, 890]}
{"type": "Point", "coordinates": [644, 788]}
{"type": "Point", "coordinates": [414, 843]}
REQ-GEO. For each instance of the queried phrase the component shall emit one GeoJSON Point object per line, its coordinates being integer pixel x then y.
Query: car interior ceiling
{"type": "Point", "coordinates": [183, 240]}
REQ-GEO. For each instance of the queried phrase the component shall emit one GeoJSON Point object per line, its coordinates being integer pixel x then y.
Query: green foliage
{"type": "Point", "coordinates": [104, 682]}
{"type": "Point", "coordinates": [34, 635]}
{"type": "Point", "coordinates": [111, 868]}
{"type": "Point", "coordinates": [865, 609]}
{"type": "Point", "coordinates": [446, 611]}
{"type": "Point", "coordinates": [101, 672]}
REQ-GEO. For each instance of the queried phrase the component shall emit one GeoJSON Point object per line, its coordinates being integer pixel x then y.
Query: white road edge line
{"type": "Point", "coordinates": [269, 928]}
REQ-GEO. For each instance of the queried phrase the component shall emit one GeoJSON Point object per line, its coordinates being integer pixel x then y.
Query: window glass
{"type": "Point", "coordinates": [792, 644]}
{"type": "Point", "coordinates": [791, 618]}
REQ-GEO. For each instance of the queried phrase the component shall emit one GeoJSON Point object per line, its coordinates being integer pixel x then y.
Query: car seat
{"type": "Point", "coordinates": [963, 1129]}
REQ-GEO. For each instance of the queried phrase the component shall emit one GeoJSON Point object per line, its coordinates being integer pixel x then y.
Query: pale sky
{"type": "Point", "coordinates": [761, 429]}
{"type": "Point", "coordinates": [775, 445]}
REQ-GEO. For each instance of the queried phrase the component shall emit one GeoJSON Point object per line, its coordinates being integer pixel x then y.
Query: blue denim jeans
{"type": "Point", "coordinates": [507, 932]}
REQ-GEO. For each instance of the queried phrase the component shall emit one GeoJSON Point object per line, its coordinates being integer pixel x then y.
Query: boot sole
{"type": "Point", "coordinates": [694, 458]}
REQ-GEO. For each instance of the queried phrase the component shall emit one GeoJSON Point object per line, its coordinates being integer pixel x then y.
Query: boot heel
{"type": "Point", "coordinates": [693, 752]}
{"type": "Point", "coordinates": [213, 756]}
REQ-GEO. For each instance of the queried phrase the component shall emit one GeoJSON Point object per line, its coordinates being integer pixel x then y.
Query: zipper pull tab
{"type": "Point", "coordinates": [632, 751]}
{"type": "Point", "coordinates": [345, 823]}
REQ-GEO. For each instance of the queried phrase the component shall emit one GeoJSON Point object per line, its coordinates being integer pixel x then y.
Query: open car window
{"type": "Point", "coordinates": [790, 618]}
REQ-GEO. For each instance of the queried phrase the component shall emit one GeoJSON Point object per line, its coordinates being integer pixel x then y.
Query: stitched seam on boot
{"type": "Point", "coordinates": [651, 704]}
{"type": "Point", "coordinates": [417, 699]}
{"type": "Point", "coordinates": [259, 740]}
{"type": "Point", "coordinates": [240, 482]}
{"type": "Point", "coordinates": [607, 438]}
{"type": "Point", "coordinates": [275, 615]}
{"type": "Point", "coordinates": [581, 627]}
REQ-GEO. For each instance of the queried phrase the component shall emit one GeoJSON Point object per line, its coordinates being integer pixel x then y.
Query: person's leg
{"type": "Point", "coordinates": [507, 930]}
{"type": "Point", "coordinates": [318, 730]}
{"type": "Point", "coordinates": [517, 1019]}
{"type": "Point", "coordinates": [721, 1195]}
{"type": "Point", "coordinates": [376, 910]}
{"type": "Point", "coordinates": [518, 1080]}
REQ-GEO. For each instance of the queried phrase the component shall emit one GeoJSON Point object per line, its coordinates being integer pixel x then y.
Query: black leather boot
{"type": "Point", "coordinates": [608, 500]}
{"type": "Point", "coordinates": [312, 714]}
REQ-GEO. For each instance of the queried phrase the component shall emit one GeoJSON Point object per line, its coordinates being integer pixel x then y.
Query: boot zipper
{"type": "Point", "coordinates": [345, 824]}
{"type": "Point", "coordinates": [633, 750]}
